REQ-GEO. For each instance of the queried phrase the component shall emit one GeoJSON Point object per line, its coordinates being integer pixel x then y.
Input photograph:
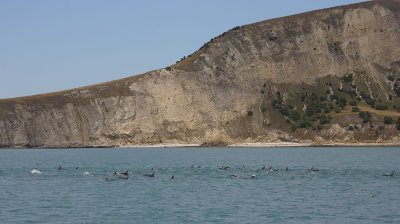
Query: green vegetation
{"type": "Point", "coordinates": [340, 101]}
{"type": "Point", "coordinates": [367, 99]}
{"type": "Point", "coordinates": [324, 120]}
{"type": "Point", "coordinates": [295, 115]}
{"type": "Point", "coordinates": [314, 106]}
{"type": "Point", "coordinates": [391, 77]}
{"type": "Point", "coordinates": [306, 122]}
{"type": "Point", "coordinates": [381, 106]}
{"type": "Point", "coordinates": [366, 116]}
{"type": "Point", "coordinates": [387, 120]}
{"type": "Point", "coordinates": [398, 124]}
{"type": "Point", "coordinates": [396, 89]}
{"type": "Point", "coordinates": [348, 78]}
{"type": "Point", "coordinates": [353, 103]}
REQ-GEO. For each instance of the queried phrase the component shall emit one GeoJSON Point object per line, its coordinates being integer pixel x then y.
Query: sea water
{"type": "Point", "coordinates": [348, 188]}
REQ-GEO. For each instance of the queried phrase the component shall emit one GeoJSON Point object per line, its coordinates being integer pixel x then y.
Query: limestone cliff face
{"type": "Point", "coordinates": [223, 92]}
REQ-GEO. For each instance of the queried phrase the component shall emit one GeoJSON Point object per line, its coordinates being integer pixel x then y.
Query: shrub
{"type": "Point", "coordinates": [236, 28]}
{"type": "Point", "coordinates": [351, 92]}
{"type": "Point", "coordinates": [370, 102]}
{"type": "Point", "coordinates": [324, 120]}
{"type": "Point", "coordinates": [397, 90]}
{"type": "Point", "coordinates": [328, 108]}
{"type": "Point", "coordinates": [364, 94]}
{"type": "Point", "coordinates": [277, 103]}
{"type": "Point", "coordinates": [398, 124]}
{"type": "Point", "coordinates": [313, 97]}
{"type": "Point", "coordinates": [387, 120]}
{"type": "Point", "coordinates": [295, 115]}
{"type": "Point", "coordinates": [250, 113]}
{"type": "Point", "coordinates": [348, 77]}
{"type": "Point", "coordinates": [353, 103]}
{"type": "Point", "coordinates": [341, 101]}
{"type": "Point", "coordinates": [381, 106]}
{"type": "Point", "coordinates": [284, 111]}
{"type": "Point", "coordinates": [390, 77]}
{"type": "Point", "coordinates": [366, 116]}
{"type": "Point", "coordinates": [355, 109]}
{"type": "Point", "coordinates": [306, 123]}
{"type": "Point", "coordinates": [314, 108]}
{"type": "Point", "coordinates": [293, 127]}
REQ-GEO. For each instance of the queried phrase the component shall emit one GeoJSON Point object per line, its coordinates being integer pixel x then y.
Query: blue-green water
{"type": "Point", "coordinates": [349, 187]}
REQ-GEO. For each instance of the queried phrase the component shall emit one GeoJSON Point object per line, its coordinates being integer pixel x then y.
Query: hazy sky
{"type": "Point", "coordinates": [48, 45]}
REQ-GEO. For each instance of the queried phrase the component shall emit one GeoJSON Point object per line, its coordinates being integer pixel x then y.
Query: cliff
{"type": "Point", "coordinates": [302, 78]}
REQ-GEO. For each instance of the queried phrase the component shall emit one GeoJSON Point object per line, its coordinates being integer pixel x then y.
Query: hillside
{"type": "Point", "coordinates": [324, 77]}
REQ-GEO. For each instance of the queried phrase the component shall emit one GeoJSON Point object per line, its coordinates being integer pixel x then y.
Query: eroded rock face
{"type": "Point", "coordinates": [222, 92]}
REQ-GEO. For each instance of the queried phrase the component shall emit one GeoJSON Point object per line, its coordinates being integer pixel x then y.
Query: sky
{"type": "Point", "coordinates": [48, 45]}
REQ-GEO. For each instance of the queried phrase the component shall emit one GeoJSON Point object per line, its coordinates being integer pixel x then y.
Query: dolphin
{"type": "Point", "coordinates": [35, 171]}
{"type": "Point", "coordinates": [149, 175]}
{"type": "Point", "coordinates": [389, 175]}
{"type": "Point", "coordinates": [121, 175]}
{"type": "Point", "coordinates": [224, 168]}
{"type": "Point", "coordinates": [312, 169]}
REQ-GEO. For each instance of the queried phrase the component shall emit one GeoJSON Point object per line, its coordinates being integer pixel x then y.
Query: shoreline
{"type": "Point", "coordinates": [236, 145]}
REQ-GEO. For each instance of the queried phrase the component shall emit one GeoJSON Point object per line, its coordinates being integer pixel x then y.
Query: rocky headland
{"type": "Point", "coordinates": [325, 77]}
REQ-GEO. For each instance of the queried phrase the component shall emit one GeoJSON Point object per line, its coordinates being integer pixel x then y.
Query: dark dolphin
{"type": "Point", "coordinates": [121, 175]}
{"type": "Point", "coordinates": [263, 168]}
{"type": "Point", "coordinates": [312, 169]}
{"type": "Point", "coordinates": [389, 175]}
{"type": "Point", "coordinates": [149, 175]}
{"type": "Point", "coordinates": [224, 168]}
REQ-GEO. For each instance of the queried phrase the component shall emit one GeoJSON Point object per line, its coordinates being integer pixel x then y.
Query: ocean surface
{"type": "Point", "coordinates": [348, 188]}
